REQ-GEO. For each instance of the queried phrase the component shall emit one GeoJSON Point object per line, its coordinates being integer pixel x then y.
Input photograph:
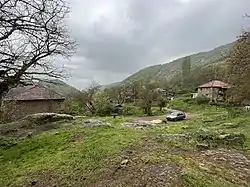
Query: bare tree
{"type": "Point", "coordinates": [119, 94]}
{"type": "Point", "coordinates": [87, 99]}
{"type": "Point", "coordinates": [32, 34]}
{"type": "Point", "coordinates": [147, 96]}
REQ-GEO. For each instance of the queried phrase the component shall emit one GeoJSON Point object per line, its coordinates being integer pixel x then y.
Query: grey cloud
{"type": "Point", "coordinates": [133, 34]}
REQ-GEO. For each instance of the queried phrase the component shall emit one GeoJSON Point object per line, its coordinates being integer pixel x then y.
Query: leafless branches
{"type": "Point", "coordinates": [32, 34]}
{"type": "Point", "coordinates": [86, 98]}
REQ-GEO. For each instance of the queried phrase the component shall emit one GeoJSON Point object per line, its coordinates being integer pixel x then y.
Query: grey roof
{"type": "Point", "coordinates": [33, 92]}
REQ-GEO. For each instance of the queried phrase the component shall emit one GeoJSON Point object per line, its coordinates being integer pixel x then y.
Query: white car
{"type": "Point", "coordinates": [176, 116]}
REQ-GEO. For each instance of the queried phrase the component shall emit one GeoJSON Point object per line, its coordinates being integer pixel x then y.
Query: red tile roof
{"type": "Point", "coordinates": [214, 84]}
{"type": "Point", "coordinates": [33, 92]}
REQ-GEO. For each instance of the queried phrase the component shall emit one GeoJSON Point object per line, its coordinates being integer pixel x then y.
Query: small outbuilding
{"type": "Point", "coordinates": [32, 99]}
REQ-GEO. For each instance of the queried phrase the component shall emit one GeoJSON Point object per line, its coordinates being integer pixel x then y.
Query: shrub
{"type": "Point", "coordinates": [104, 110]}
{"type": "Point", "coordinates": [201, 100]}
{"type": "Point", "coordinates": [158, 112]}
{"type": "Point", "coordinates": [130, 109]}
{"type": "Point", "coordinates": [215, 139]}
{"type": "Point", "coordinates": [234, 112]}
{"type": "Point", "coordinates": [179, 104]}
{"type": "Point", "coordinates": [73, 107]}
{"type": "Point", "coordinates": [6, 142]}
{"type": "Point", "coordinates": [162, 102]}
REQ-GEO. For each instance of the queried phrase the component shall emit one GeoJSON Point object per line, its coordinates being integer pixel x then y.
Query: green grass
{"type": "Point", "coordinates": [68, 153]}
{"type": "Point", "coordinates": [73, 153]}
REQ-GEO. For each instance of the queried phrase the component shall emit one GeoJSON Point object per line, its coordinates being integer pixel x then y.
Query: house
{"type": "Point", "coordinates": [165, 93]}
{"type": "Point", "coordinates": [214, 90]}
{"type": "Point", "coordinates": [32, 99]}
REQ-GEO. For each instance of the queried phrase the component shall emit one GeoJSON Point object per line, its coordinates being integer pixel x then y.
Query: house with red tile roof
{"type": "Point", "coordinates": [214, 90]}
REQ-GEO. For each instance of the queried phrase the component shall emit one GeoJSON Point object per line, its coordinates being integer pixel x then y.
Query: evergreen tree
{"type": "Point", "coordinates": [186, 68]}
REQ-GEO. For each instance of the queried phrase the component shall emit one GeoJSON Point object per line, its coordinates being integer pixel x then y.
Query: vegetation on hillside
{"type": "Point", "coordinates": [168, 70]}
{"type": "Point", "coordinates": [60, 87]}
{"type": "Point", "coordinates": [145, 95]}
{"type": "Point", "coordinates": [239, 70]}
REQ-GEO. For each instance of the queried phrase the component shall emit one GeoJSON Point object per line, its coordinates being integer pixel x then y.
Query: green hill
{"type": "Point", "coordinates": [60, 87]}
{"type": "Point", "coordinates": [168, 70]}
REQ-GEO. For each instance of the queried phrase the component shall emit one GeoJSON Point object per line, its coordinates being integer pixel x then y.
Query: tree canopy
{"type": "Point", "coordinates": [32, 34]}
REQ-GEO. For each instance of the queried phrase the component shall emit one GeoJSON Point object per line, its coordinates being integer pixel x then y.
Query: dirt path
{"type": "Point", "coordinates": [149, 118]}
{"type": "Point", "coordinates": [163, 117]}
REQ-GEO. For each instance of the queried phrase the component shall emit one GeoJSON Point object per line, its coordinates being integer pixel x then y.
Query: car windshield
{"type": "Point", "coordinates": [174, 113]}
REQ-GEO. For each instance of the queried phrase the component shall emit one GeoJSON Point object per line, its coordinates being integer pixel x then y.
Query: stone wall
{"type": "Point", "coordinates": [19, 109]}
{"type": "Point", "coordinates": [212, 93]}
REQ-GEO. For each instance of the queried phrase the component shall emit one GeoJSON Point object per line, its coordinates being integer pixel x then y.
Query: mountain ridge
{"type": "Point", "coordinates": [168, 70]}
{"type": "Point", "coordinates": [60, 87]}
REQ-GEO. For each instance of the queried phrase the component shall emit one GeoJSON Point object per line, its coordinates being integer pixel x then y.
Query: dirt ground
{"type": "Point", "coordinates": [139, 172]}
{"type": "Point", "coordinates": [231, 166]}
{"type": "Point", "coordinates": [189, 116]}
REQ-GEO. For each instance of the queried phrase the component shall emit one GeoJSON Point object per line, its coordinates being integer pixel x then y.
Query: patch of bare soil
{"type": "Point", "coordinates": [149, 118]}
{"type": "Point", "coordinates": [43, 178]}
{"type": "Point", "coordinates": [228, 162]}
{"type": "Point", "coordinates": [133, 171]}
{"type": "Point", "coordinates": [143, 175]}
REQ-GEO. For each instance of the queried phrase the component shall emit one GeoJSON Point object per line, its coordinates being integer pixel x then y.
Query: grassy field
{"type": "Point", "coordinates": [74, 155]}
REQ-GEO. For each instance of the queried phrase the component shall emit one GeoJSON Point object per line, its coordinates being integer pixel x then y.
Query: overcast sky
{"type": "Point", "coordinates": [119, 37]}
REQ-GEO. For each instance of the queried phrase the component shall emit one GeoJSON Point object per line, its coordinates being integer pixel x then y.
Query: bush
{"type": "Point", "coordinates": [104, 110]}
{"type": "Point", "coordinates": [6, 142]}
{"type": "Point", "coordinates": [179, 104]}
{"type": "Point", "coordinates": [162, 102]}
{"type": "Point", "coordinates": [130, 109]}
{"type": "Point", "coordinates": [158, 112]}
{"type": "Point", "coordinates": [73, 107]}
{"type": "Point", "coordinates": [201, 100]}
{"type": "Point", "coordinates": [215, 139]}
{"type": "Point", "coordinates": [234, 112]}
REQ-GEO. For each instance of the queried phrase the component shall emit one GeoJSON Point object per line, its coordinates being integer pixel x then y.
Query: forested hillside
{"type": "Point", "coordinates": [169, 70]}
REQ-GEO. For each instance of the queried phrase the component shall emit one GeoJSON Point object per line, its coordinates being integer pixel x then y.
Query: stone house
{"type": "Point", "coordinates": [214, 90]}
{"type": "Point", "coordinates": [22, 101]}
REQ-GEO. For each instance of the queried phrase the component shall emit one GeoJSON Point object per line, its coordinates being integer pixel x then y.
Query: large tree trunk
{"type": "Point", "coordinates": [1, 106]}
{"type": "Point", "coordinates": [149, 111]}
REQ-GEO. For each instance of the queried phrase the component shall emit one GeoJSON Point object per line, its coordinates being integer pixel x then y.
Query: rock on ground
{"type": "Point", "coordinates": [236, 163]}
{"type": "Point", "coordinates": [214, 139]}
{"type": "Point", "coordinates": [94, 123]}
{"type": "Point", "coordinates": [138, 124]}
{"type": "Point", "coordinates": [48, 116]}
{"type": "Point", "coordinates": [157, 121]}
{"type": "Point", "coordinates": [33, 124]}
{"type": "Point", "coordinates": [174, 136]}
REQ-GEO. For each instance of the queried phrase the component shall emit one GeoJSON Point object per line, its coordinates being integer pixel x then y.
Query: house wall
{"type": "Point", "coordinates": [205, 92]}
{"type": "Point", "coordinates": [212, 93]}
{"type": "Point", "coordinates": [19, 109]}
